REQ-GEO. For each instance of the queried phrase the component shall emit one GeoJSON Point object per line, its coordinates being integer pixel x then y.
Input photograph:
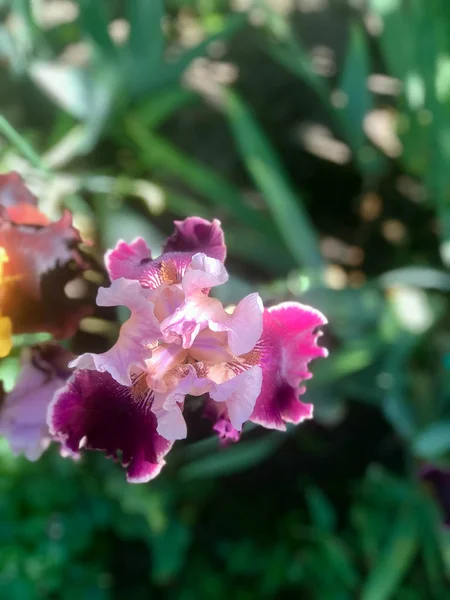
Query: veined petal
{"type": "Point", "coordinates": [140, 330]}
{"type": "Point", "coordinates": [23, 416]}
{"type": "Point", "coordinates": [243, 327]}
{"type": "Point", "coordinates": [239, 394]}
{"type": "Point", "coordinates": [110, 417]}
{"type": "Point", "coordinates": [191, 236]}
{"type": "Point", "coordinates": [164, 358]}
{"type": "Point", "coordinates": [168, 406]}
{"type": "Point", "coordinates": [287, 345]}
{"type": "Point", "coordinates": [197, 235]}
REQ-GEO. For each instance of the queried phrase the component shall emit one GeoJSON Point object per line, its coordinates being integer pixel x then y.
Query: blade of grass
{"type": "Point", "coordinates": [268, 174]}
{"type": "Point", "coordinates": [232, 25]}
{"type": "Point", "coordinates": [94, 23]}
{"type": "Point", "coordinates": [160, 153]}
{"type": "Point", "coordinates": [146, 42]}
{"type": "Point", "coordinates": [233, 459]}
{"type": "Point", "coordinates": [161, 106]}
{"type": "Point", "coordinates": [398, 555]}
{"type": "Point", "coordinates": [22, 145]}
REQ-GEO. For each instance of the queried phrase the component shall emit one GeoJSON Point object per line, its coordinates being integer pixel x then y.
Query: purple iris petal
{"type": "Point", "coordinates": [217, 413]}
{"type": "Point", "coordinates": [197, 235]}
{"type": "Point", "coordinates": [110, 417]}
{"type": "Point", "coordinates": [191, 236]}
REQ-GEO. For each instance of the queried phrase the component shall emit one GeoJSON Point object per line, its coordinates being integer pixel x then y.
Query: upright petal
{"type": "Point", "coordinates": [23, 417]}
{"type": "Point", "coordinates": [239, 395]}
{"type": "Point", "coordinates": [136, 334]}
{"type": "Point", "coordinates": [127, 260]}
{"type": "Point", "coordinates": [203, 273]}
{"type": "Point", "coordinates": [191, 236]}
{"type": "Point", "coordinates": [115, 419]}
{"type": "Point", "coordinates": [287, 345]}
{"type": "Point", "coordinates": [243, 327]}
{"type": "Point", "coordinates": [197, 235]}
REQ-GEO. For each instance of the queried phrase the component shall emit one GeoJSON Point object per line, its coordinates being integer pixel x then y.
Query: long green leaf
{"type": "Point", "coordinates": [21, 144]}
{"type": "Point", "coordinates": [146, 42]}
{"type": "Point", "coordinates": [94, 23]}
{"type": "Point", "coordinates": [268, 174]}
{"type": "Point", "coordinates": [394, 562]}
{"type": "Point", "coordinates": [160, 153]}
{"type": "Point", "coordinates": [233, 459]}
{"type": "Point", "coordinates": [353, 83]}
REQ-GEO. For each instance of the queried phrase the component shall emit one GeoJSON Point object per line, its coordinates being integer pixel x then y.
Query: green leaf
{"type": "Point", "coordinates": [434, 441]}
{"type": "Point", "coordinates": [233, 459]}
{"type": "Point", "coordinates": [169, 547]}
{"type": "Point", "coordinates": [353, 83]}
{"type": "Point", "coordinates": [88, 96]}
{"type": "Point", "coordinates": [268, 174]}
{"type": "Point", "coordinates": [71, 88]}
{"type": "Point", "coordinates": [159, 153]}
{"type": "Point", "coordinates": [321, 510]}
{"type": "Point", "coordinates": [342, 363]}
{"type": "Point", "coordinates": [9, 370]}
{"type": "Point", "coordinates": [395, 560]}
{"type": "Point", "coordinates": [161, 105]}
{"type": "Point", "coordinates": [423, 277]}
{"type": "Point", "coordinates": [145, 46]}
{"type": "Point", "coordinates": [21, 144]}
{"type": "Point", "coordinates": [173, 72]}
{"type": "Point", "coordinates": [94, 23]}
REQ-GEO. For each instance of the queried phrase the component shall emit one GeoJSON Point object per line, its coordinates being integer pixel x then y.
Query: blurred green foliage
{"type": "Point", "coordinates": [318, 132]}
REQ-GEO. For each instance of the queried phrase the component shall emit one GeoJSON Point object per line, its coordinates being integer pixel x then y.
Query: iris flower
{"type": "Point", "coordinates": [246, 363]}
{"type": "Point", "coordinates": [23, 411]}
{"type": "Point", "coordinates": [39, 259]}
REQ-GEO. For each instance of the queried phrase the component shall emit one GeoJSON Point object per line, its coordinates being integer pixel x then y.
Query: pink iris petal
{"type": "Point", "coordinates": [191, 236]}
{"type": "Point", "coordinates": [107, 416]}
{"type": "Point", "coordinates": [203, 273]}
{"type": "Point", "coordinates": [164, 357]}
{"type": "Point", "coordinates": [239, 395]}
{"type": "Point", "coordinates": [212, 347]}
{"type": "Point", "coordinates": [126, 260]}
{"type": "Point", "coordinates": [140, 330]}
{"type": "Point", "coordinates": [168, 407]}
{"type": "Point", "coordinates": [197, 235]}
{"type": "Point", "coordinates": [243, 327]}
{"type": "Point", "coordinates": [23, 417]}
{"type": "Point", "coordinates": [287, 345]}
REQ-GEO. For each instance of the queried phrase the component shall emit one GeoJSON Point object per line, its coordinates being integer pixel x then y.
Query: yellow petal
{"type": "Point", "coordinates": [5, 336]}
